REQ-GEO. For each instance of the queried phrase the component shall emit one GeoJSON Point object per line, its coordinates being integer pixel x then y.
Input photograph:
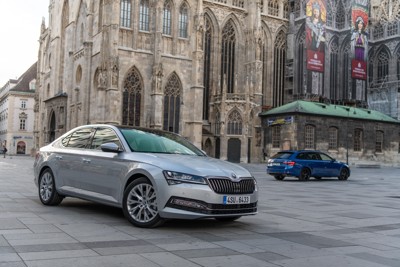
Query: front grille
{"type": "Point", "coordinates": [212, 209]}
{"type": "Point", "coordinates": [227, 186]}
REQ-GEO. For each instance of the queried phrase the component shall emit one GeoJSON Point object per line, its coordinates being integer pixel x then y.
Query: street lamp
{"type": "Point", "coordinates": [347, 136]}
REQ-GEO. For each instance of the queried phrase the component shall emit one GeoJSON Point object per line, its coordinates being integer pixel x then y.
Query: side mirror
{"type": "Point", "coordinates": [110, 147]}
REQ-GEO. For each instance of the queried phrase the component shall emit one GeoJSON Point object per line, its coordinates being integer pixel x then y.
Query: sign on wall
{"type": "Point", "coordinates": [359, 39]}
{"type": "Point", "coordinates": [280, 121]}
{"type": "Point", "coordinates": [315, 34]}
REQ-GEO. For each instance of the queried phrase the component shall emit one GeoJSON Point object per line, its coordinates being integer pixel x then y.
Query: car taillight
{"type": "Point", "coordinates": [290, 163]}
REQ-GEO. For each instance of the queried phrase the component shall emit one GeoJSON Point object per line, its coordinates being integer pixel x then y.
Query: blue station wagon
{"type": "Point", "coordinates": [304, 164]}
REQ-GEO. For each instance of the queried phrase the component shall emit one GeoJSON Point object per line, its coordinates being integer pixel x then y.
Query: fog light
{"type": "Point", "coordinates": [188, 203]}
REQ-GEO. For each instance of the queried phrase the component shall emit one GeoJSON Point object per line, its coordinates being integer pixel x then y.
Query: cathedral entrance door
{"type": "Point", "coordinates": [234, 145]}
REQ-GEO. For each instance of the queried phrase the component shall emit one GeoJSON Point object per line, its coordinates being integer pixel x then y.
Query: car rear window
{"type": "Point", "coordinates": [282, 155]}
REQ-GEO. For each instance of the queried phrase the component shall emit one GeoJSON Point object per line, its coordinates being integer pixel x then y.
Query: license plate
{"type": "Point", "coordinates": [274, 164]}
{"type": "Point", "coordinates": [236, 200]}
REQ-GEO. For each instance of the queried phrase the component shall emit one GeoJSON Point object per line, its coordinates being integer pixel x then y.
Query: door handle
{"type": "Point", "coordinates": [59, 157]}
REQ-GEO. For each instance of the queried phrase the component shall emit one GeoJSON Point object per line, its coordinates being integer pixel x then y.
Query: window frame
{"type": "Point", "coordinates": [309, 136]}
{"type": "Point", "coordinates": [276, 136]}
{"type": "Point", "coordinates": [167, 19]}
{"type": "Point", "coordinates": [358, 140]}
{"type": "Point", "coordinates": [125, 14]}
{"type": "Point", "coordinates": [379, 139]}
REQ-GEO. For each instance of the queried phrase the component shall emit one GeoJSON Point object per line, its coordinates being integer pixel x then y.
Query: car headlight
{"type": "Point", "coordinates": [178, 177]}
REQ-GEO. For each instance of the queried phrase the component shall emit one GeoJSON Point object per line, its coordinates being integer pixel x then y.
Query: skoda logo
{"type": "Point", "coordinates": [234, 176]}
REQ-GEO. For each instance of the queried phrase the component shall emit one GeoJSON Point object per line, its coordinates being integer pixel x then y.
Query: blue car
{"type": "Point", "coordinates": [304, 164]}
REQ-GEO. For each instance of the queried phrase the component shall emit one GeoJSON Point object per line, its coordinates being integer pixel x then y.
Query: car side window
{"type": "Point", "coordinates": [315, 156]}
{"type": "Point", "coordinates": [301, 156]}
{"type": "Point", "coordinates": [79, 138]}
{"type": "Point", "coordinates": [102, 136]}
{"type": "Point", "coordinates": [325, 157]}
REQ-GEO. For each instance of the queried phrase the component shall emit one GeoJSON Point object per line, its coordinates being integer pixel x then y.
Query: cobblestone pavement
{"type": "Point", "coordinates": [300, 224]}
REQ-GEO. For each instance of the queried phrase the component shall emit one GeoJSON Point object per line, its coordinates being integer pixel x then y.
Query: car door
{"type": "Point", "coordinates": [331, 166]}
{"type": "Point", "coordinates": [69, 159]}
{"type": "Point", "coordinates": [316, 165]}
{"type": "Point", "coordinates": [103, 171]}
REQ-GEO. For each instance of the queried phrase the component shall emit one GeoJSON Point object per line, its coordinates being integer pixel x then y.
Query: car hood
{"type": "Point", "coordinates": [196, 165]}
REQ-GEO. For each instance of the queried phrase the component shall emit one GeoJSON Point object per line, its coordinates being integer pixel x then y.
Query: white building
{"type": "Point", "coordinates": [16, 113]}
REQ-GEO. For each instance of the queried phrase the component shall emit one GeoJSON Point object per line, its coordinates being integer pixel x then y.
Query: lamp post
{"type": "Point", "coordinates": [347, 136]}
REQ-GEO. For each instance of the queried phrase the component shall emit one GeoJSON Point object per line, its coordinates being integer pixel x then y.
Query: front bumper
{"type": "Point", "coordinates": [194, 201]}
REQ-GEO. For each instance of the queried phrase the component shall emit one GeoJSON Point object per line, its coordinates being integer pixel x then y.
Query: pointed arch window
{"type": "Point", "coordinates": [126, 11]}
{"type": "Point", "coordinates": [378, 31]}
{"type": "Point", "coordinates": [340, 16]}
{"type": "Point", "coordinates": [132, 96]}
{"type": "Point", "coordinates": [172, 104]}
{"type": "Point", "coordinates": [207, 67]}
{"type": "Point", "coordinates": [301, 59]}
{"type": "Point", "coordinates": [346, 78]}
{"type": "Point", "coordinates": [383, 66]}
{"type": "Point", "coordinates": [228, 57]}
{"type": "Point", "coordinates": [333, 81]}
{"type": "Point", "coordinates": [273, 8]}
{"type": "Point", "coordinates": [235, 123]}
{"type": "Point", "coordinates": [183, 21]}
{"type": "Point", "coordinates": [279, 68]}
{"type": "Point", "coordinates": [144, 15]}
{"type": "Point", "coordinates": [286, 10]}
{"type": "Point", "coordinates": [100, 22]}
{"type": "Point", "coordinates": [398, 64]}
{"type": "Point", "coordinates": [392, 28]}
{"type": "Point", "coordinates": [167, 18]}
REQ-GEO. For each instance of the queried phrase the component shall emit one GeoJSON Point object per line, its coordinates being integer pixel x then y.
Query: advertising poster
{"type": "Point", "coordinates": [359, 39]}
{"type": "Point", "coordinates": [315, 34]}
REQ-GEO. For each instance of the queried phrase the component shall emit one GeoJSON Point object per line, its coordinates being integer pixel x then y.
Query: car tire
{"type": "Point", "coordinates": [279, 177]}
{"type": "Point", "coordinates": [140, 204]}
{"type": "Point", "coordinates": [47, 189]}
{"type": "Point", "coordinates": [305, 174]}
{"type": "Point", "coordinates": [227, 219]}
{"type": "Point", "coordinates": [344, 174]}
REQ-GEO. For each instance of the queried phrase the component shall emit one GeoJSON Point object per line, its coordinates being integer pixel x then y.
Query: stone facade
{"type": "Point", "coordinates": [198, 68]}
{"type": "Point", "coordinates": [17, 114]}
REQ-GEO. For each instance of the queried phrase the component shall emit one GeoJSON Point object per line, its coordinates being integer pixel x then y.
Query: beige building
{"type": "Point", "coordinates": [203, 69]}
{"type": "Point", "coordinates": [17, 115]}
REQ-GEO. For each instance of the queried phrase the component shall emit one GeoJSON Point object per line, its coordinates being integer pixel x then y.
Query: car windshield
{"type": "Point", "coordinates": [154, 141]}
{"type": "Point", "coordinates": [282, 155]}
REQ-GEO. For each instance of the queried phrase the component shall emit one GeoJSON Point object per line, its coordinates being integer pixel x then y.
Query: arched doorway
{"type": "Point", "coordinates": [21, 148]}
{"type": "Point", "coordinates": [208, 147]}
{"type": "Point", "coordinates": [52, 127]}
{"type": "Point", "coordinates": [217, 148]}
{"type": "Point", "coordinates": [234, 150]}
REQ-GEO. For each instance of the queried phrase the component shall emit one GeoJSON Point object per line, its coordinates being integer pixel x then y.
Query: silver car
{"type": "Point", "coordinates": [151, 174]}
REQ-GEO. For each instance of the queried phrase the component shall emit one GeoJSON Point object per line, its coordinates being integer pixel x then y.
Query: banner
{"type": "Point", "coordinates": [315, 34]}
{"type": "Point", "coordinates": [359, 39]}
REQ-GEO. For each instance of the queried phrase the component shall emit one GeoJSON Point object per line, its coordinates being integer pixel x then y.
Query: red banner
{"type": "Point", "coordinates": [315, 60]}
{"type": "Point", "coordinates": [315, 34]}
{"type": "Point", "coordinates": [358, 69]}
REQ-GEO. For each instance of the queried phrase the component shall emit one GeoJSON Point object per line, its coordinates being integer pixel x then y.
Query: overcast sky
{"type": "Point", "coordinates": [20, 22]}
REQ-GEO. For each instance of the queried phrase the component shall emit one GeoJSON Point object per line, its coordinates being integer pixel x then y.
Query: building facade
{"type": "Point", "coordinates": [335, 82]}
{"type": "Point", "coordinates": [207, 69]}
{"type": "Point", "coordinates": [203, 69]}
{"type": "Point", "coordinates": [349, 134]}
{"type": "Point", "coordinates": [16, 113]}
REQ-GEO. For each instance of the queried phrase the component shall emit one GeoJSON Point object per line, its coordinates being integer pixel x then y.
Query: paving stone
{"type": "Point", "coordinates": [315, 224]}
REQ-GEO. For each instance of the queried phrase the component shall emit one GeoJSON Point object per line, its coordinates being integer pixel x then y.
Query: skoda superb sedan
{"type": "Point", "coordinates": [152, 175]}
{"type": "Point", "coordinates": [304, 164]}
